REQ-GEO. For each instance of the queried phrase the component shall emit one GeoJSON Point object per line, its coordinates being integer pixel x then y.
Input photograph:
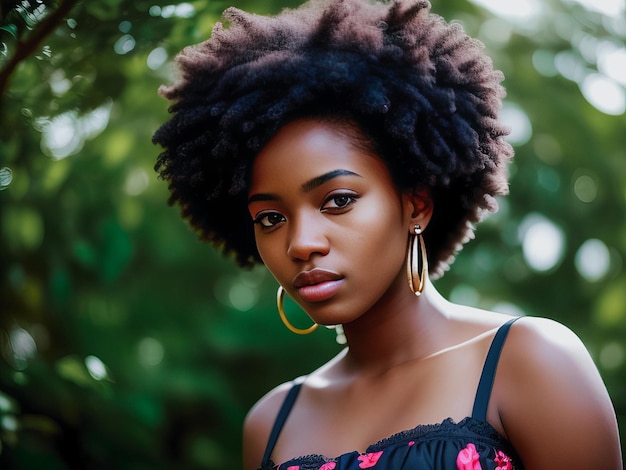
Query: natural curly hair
{"type": "Point", "coordinates": [419, 89]}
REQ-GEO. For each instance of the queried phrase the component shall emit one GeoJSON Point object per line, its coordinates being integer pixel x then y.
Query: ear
{"type": "Point", "coordinates": [419, 208]}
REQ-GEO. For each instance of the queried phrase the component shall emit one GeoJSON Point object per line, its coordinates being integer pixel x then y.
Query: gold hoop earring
{"type": "Point", "coordinates": [416, 256]}
{"type": "Point", "coordinates": [280, 296]}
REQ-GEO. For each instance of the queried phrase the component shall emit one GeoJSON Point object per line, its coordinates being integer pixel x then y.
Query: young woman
{"type": "Point", "coordinates": [350, 146]}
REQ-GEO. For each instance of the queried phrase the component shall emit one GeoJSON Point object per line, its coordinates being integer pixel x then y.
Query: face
{"type": "Point", "coordinates": [329, 223]}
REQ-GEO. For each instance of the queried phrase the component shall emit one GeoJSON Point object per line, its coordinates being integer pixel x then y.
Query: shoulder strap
{"type": "Point", "coordinates": [483, 392]}
{"type": "Point", "coordinates": [283, 413]}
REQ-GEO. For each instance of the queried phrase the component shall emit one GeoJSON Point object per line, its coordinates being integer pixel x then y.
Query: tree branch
{"type": "Point", "coordinates": [29, 46]}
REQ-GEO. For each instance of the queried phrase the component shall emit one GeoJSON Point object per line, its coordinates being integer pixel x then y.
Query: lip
{"type": "Point", "coordinates": [317, 284]}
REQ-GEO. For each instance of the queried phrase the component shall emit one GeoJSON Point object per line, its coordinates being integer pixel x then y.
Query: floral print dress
{"type": "Point", "coordinates": [471, 444]}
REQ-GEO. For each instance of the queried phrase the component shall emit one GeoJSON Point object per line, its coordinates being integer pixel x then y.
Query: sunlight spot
{"type": "Point", "coordinates": [65, 134]}
{"type": "Point", "coordinates": [549, 179]}
{"type": "Point", "coordinates": [23, 227]}
{"type": "Point", "coordinates": [585, 188]}
{"type": "Point", "coordinates": [6, 177]}
{"type": "Point", "coordinates": [22, 343]}
{"type": "Point", "coordinates": [168, 11]}
{"type": "Point", "coordinates": [19, 348]}
{"type": "Point", "coordinates": [464, 295]}
{"type": "Point", "coordinates": [612, 355]}
{"type": "Point", "coordinates": [516, 119]}
{"type": "Point", "coordinates": [95, 122]}
{"type": "Point", "coordinates": [496, 31]}
{"type": "Point", "coordinates": [254, 277]}
{"type": "Point", "coordinates": [587, 46]}
{"type": "Point", "coordinates": [544, 63]}
{"type": "Point", "coordinates": [242, 296]}
{"type": "Point", "coordinates": [60, 138]}
{"type": "Point", "coordinates": [6, 404]}
{"type": "Point", "coordinates": [185, 10]}
{"type": "Point", "coordinates": [96, 368]}
{"type": "Point", "coordinates": [151, 352]}
{"type": "Point", "coordinates": [58, 83]}
{"type": "Point", "coordinates": [9, 423]}
{"type": "Point", "coordinates": [137, 182]}
{"type": "Point", "coordinates": [520, 10]}
{"type": "Point", "coordinates": [570, 66]}
{"type": "Point", "coordinates": [46, 51]}
{"type": "Point", "coordinates": [615, 25]}
{"type": "Point", "coordinates": [606, 7]}
{"type": "Point", "coordinates": [156, 58]}
{"type": "Point", "coordinates": [124, 45]}
{"type": "Point", "coordinates": [125, 26]}
{"type": "Point", "coordinates": [547, 148]}
{"type": "Point", "coordinates": [611, 307]}
{"type": "Point", "coordinates": [182, 10]}
{"type": "Point", "coordinates": [612, 61]}
{"type": "Point", "coordinates": [543, 242]}
{"type": "Point", "coordinates": [604, 94]}
{"type": "Point", "coordinates": [241, 292]}
{"type": "Point", "coordinates": [593, 260]}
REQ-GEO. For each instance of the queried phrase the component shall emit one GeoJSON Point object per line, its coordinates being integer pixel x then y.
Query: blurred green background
{"type": "Point", "coordinates": [126, 343]}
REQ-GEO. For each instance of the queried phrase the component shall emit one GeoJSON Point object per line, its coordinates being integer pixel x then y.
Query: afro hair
{"type": "Point", "coordinates": [420, 89]}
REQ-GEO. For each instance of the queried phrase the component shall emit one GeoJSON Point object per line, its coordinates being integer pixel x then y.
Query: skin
{"type": "Point", "coordinates": [418, 359]}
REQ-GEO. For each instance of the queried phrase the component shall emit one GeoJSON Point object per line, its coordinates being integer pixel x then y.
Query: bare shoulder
{"type": "Point", "coordinates": [543, 348]}
{"type": "Point", "coordinates": [258, 425]}
{"type": "Point", "coordinates": [552, 401]}
{"type": "Point", "coordinates": [548, 333]}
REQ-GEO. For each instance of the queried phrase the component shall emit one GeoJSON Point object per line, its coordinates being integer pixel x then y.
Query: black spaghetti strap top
{"type": "Point", "coordinates": [470, 444]}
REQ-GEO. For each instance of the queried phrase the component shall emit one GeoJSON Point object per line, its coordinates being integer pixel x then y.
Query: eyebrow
{"type": "Point", "coordinates": [320, 180]}
{"type": "Point", "coordinates": [307, 186]}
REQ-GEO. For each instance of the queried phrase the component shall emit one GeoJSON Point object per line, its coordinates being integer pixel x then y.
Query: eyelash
{"type": "Point", "coordinates": [261, 217]}
{"type": "Point", "coordinates": [351, 200]}
{"type": "Point", "coordinates": [338, 209]}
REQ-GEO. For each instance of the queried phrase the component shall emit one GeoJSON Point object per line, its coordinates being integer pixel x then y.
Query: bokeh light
{"type": "Point", "coordinates": [150, 351]}
{"type": "Point", "coordinates": [513, 116]}
{"type": "Point", "coordinates": [543, 242]}
{"type": "Point", "coordinates": [593, 260]}
{"type": "Point", "coordinates": [518, 11]}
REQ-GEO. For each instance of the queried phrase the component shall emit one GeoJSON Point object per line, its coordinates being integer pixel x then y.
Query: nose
{"type": "Point", "coordinates": [307, 238]}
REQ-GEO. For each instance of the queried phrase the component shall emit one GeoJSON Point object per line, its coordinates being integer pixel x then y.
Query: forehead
{"type": "Point", "coordinates": [305, 148]}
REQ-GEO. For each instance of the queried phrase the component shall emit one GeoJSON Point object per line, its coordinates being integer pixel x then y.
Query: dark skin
{"type": "Point", "coordinates": [418, 359]}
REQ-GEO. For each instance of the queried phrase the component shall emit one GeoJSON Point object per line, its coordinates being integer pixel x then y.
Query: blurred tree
{"type": "Point", "coordinates": [126, 343]}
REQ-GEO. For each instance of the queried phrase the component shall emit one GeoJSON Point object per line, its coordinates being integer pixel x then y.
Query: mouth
{"type": "Point", "coordinates": [317, 285]}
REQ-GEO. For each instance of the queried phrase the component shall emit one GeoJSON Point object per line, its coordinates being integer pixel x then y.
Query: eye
{"type": "Point", "coordinates": [269, 220]}
{"type": "Point", "coordinates": [339, 202]}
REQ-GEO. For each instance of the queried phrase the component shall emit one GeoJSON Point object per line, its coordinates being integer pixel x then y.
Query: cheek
{"type": "Point", "coordinates": [272, 255]}
{"type": "Point", "coordinates": [383, 221]}
{"type": "Point", "coordinates": [266, 252]}
{"type": "Point", "coordinates": [382, 235]}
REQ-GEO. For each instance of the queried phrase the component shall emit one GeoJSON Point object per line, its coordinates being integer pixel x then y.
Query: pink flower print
{"type": "Point", "coordinates": [369, 460]}
{"type": "Point", "coordinates": [411, 444]}
{"type": "Point", "coordinates": [294, 467]}
{"type": "Point", "coordinates": [328, 466]}
{"type": "Point", "coordinates": [468, 458]}
{"type": "Point", "coordinates": [503, 461]}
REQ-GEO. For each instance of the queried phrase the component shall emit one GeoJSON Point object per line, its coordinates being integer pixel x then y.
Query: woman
{"type": "Point", "coordinates": [350, 146]}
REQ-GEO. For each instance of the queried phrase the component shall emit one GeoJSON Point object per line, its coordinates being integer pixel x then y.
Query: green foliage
{"type": "Point", "coordinates": [126, 343]}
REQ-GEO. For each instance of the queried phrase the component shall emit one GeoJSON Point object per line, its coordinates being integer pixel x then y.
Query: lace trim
{"type": "Point", "coordinates": [476, 428]}
{"type": "Point", "coordinates": [448, 427]}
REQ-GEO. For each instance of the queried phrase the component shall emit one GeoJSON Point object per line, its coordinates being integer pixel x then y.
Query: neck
{"type": "Point", "coordinates": [400, 328]}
